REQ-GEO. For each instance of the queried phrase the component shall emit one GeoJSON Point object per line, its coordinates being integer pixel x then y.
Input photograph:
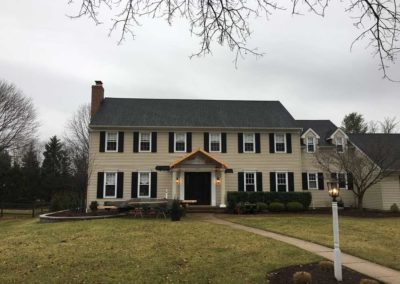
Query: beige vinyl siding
{"type": "Point", "coordinates": [390, 191]}
{"type": "Point", "coordinates": [129, 162]}
{"type": "Point", "coordinates": [373, 197]}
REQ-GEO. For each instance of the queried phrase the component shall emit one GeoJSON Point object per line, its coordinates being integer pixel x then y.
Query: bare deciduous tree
{"type": "Point", "coordinates": [389, 125]}
{"type": "Point", "coordinates": [17, 118]}
{"type": "Point", "coordinates": [373, 126]}
{"type": "Point", "coordinates": [366, 170]}
{"type": "Point", "coordinates": [228, 21]}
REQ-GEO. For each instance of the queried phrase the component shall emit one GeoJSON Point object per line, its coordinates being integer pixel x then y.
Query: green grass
{"type": "Point", "coordinates": [373, 239]}
{"type": "Point", "coordinates": [138, 251]}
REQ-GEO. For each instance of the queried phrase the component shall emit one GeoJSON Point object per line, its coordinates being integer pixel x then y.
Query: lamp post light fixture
{"type": "Point", "coordinates": [333, 191]}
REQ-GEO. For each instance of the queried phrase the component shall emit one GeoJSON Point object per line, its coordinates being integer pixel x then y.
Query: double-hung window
{"type": "Point", "coordinates": [144, 185]}
{"type": "Point", "coordinates": [111, 142]}
{"type": "Point", "coordinates": [312, 180]}
{"type": "Point", "coordinates": [250, 181]}
{"type": "Point", "coordinates": [249, 142]}
{"type": "Point", "coordinates": [310, 144]}
{"type": "Point", "coordinates": [341, 179]}
{"type": "Point", "coordinates": [180, 142]}
{"type": "Point", "coordinates": [110, 185]}
{"type": "Point", "coordinates": [282, 182]}
{"type": "Point", "coordinates": [340, 144]}
{"type": "Point", "coordinates": [145, 142]}
{"type": "Point", "coordinates": [280, 143]}
{"type": "Point", "coordinates": [215, 142]}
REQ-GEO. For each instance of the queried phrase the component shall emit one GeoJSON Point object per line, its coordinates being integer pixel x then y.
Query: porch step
{"type": "Point", "coordinates": [204, 209]}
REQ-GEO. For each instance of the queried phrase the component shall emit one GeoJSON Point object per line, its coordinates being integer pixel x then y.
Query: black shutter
{"type": "Point", "coordinates": [320, 181]}
{"type": "Point", "coordinates": [291, 181]}
{"type": "Point", "coordinates": [154, 142]}
{"type": "Point", "coordinates": [135, 142]}
{"type": "Point", "coordinates": [259, 181]}
{"type": "Point", "coordinates": [240, 142]}
{"type": "Point", "coordinates": [223, 142]}
{"type": "Point", "coordinates": [206, 141]}
{"type": "Point", "coordinates": [153, 193]}
{"type": "Point", "coordinates": [100, 184]}
{"type": "Point", "coordinates": [171, 142]}
{"type": "Point", "coordinates": [350, 184]}
{"type": "Point", "coordinates": [120, 185]}
{"type": "Point", "coordinates": [288, 143]}
{"type": "Point", "coordinates": [102, 141]}
{"type": "Point", "coordinates": [134, 185]}
{"type": "Point", "coordinates": [304, 179]}
{"type": "Point", "coordinates": [120, 142]}
{"type": "Point", "coordinates": [189, 142]}
{"type": "Point", "coordinates": [240, 181]}
{"type": "Point", "coordinates": [272, 143]}
{"type": "Point", "coordinates": [258, 144]}
{"type": "Point", "coordinates": [272, 181]}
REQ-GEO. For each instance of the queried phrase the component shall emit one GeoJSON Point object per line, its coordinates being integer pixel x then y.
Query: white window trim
{"type": "Point", "coordinates": [308, 180]}
{"type": "Point", "coordinates": [138, 186]}
{"type": "Point", "coordinates": [284, 142]}
{"type": "Point", "coordinates": [255, 181]}
{"type": "Point", "coordinates": [254, 143]}
{"type": "Point", "coordinates": [276, 181]}
{"type": "Point", "coordinates": [105, 183]}
{"type": "Point", "coordinates": [314, 143]}
{"type": "Point", "coordinates": [183, 151]}
{"type": "Point", "coordinates": [116, 148]}
{"type": "Point", "coordinates": [140, 142]}
{"type": "Point", "coordinates": [341, 139]}
{"type": "Point", "coordinates": [220, 143]}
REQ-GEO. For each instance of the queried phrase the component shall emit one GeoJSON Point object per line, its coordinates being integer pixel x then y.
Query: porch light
{"type": "Point", "coordinates": [178, 181]}
{"type": "Point", "coordinates": [333, 190]}
{"type": "Point", "coordinates": [218, 181]}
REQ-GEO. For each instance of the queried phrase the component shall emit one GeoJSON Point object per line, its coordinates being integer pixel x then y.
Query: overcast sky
{"type": "Point", "coordinates": [307, 64]}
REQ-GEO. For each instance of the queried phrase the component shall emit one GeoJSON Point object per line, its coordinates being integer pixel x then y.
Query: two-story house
{"type": "Point", "coordinates": [201, 149]}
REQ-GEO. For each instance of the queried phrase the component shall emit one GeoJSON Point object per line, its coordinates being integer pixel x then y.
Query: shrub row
{"type": "Point", "coordinates": [285, 198]}
{"type": "Point", "coordinates": [260, 207]}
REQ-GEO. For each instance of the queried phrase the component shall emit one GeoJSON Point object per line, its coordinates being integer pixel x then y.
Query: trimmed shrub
{"type": "Point", "coordinates": [276, 207]}
{"type": "Point", "coordinates": [93, 206]}
{"type": "Point", "coordinates": [394, 208]}
{"type": "Point", "coordinates": [64, 200]}
{"type": "Point", "coordinates": [302, 277]}
{"type": "Point", "coordinates": [248, 208]}
{"type": "Point", "coordinates": [261, 206]}
{"type": "Point", "coordinates": [233, 198]}
{"type": "Point", "coordinates": [294, 206]}
{"type": "Point", "coordinates": [325, 265]}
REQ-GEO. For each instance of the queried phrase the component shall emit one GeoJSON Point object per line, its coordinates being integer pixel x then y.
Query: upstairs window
{"type": "Point", "coordinates": [310, 144]}
{"type": "Point", "coordinates": [280, 143]}
{"type": "Point", "coordinates": [340, 144]}
{"type": "Point", "coordinates": [249, 142]}
{"type": "Point", "coordinates": [144, 185]}
{"type": "Point", "coordinates": [281, 182]}
{"type": "Point", "coordinates": [180, 142]}
{"type": "Point", "coordinates": [312, 180]}
{"type": "Point", "coordinates": [110, 185]}
{"type": "Point", "coordinates": [215, 142]}
{"type": "Point", "coordinates": [250, 182]}
{"type": "Point", "coordinates": [112, 141]}
{"type": "Point", "coordinates": [145, 142]}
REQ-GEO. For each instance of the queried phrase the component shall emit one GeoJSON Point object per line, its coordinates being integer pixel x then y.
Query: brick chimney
{"type": "Point", "coordinates": [97, 97]}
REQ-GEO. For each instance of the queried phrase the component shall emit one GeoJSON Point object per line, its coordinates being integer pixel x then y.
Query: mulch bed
{"type": "Point", "coordinates": [82, 214]}
{"type": "Point", "coordinates": [285, 275]}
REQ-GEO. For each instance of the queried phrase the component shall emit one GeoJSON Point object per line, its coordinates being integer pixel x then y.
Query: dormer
{"type": "Point", "coordinates": [339, 139]}
{"type": "Point", "coordinates": [310, 139]}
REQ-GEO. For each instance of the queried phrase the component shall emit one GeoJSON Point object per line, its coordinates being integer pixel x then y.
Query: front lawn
{"type": "Point", "coordinates": [138, 251]}
{"type": "Point", "coordinates": [374, 239]}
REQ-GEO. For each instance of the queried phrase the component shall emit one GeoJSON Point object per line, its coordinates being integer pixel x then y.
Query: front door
{"type": "Point", "coordinates": [198, 187]}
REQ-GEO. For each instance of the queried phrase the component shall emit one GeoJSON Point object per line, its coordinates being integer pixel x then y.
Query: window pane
{"type": "Point", "coordinates": [110, 178]}
{"type": "Point", "coordinates": [312, 181]}
{"type": "Point", "coordinates": [250, 182]}
{"type": "Point", "coordinates": [280, 142]}
{"type": "Point", "coordinates": [215, 139]}
{"type": "Point", "coordinates": [249, 147]}
{"type": "Point", "coordinates": [110, 184]}
{"type": "Point", "coordinates": [110, 190]}
{"type": "Point", "coordinates": [248, 137]}
{"type": "Point", "coordinates": [144, 141]}
{"type": "Point", "coordinates": [281, 181]}
{"type": "Point", "coordinates": [180, 137]}
{"type": "Point", "coordinates": [342, 180]}
{"type": "Point", "coordinates": [180, 141]}
{"type": "Point", "coordinates": [144, 182]}
{"type": "Point", "coordinates": [111, 141]}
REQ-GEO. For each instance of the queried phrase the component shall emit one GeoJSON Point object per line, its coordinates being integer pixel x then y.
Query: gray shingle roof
{"type": "Point", "coordinates": [376, 144]}
{"type": "Point", "coordinates": [192, 113]}
{"type": "Point", "coordinates": [324, 128]}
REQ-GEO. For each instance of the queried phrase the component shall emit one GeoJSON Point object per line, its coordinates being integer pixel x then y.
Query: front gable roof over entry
{"type": "Point", "coordinates": [203, 156]}
{"type": "Point", "coordinates": [127, 112]}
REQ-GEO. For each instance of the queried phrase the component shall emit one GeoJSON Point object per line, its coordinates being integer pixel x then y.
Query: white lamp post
{"type": "Point", "coordinates": [337, 259]}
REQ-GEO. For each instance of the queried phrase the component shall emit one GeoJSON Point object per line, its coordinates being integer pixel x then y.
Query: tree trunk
{"type": "Point", "coordinates": [360, 199]}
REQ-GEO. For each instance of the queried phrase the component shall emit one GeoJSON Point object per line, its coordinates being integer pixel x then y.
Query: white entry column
{"type": "Point", "coordinates": [213, 189]}
{"type": "Point", "coordinates": [174, 185]}
{"type": "Point", "coordinates": [223, 193]}
{"type": "Point", "coordinates": [182, 185]}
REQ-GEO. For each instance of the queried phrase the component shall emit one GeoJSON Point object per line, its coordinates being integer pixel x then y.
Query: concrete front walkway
{"type": "Point", "coordinates": [371, 269]}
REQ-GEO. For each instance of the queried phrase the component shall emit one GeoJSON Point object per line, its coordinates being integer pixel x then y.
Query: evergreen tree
{"type": "Point", "coordinates": [354, 123]}
{"type": "Point", "coordinates": [55, 168]}
{"type": "Point", "coordinates": [31, 173]}
{"type": "Point", "coordinates": [5, 167]}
